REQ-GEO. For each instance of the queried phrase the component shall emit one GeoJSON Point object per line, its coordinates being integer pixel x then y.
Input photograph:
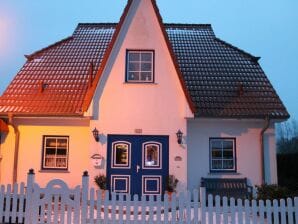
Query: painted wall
{"type": "Point", "coordinates": [247, 134]}
{"type": "Point", "coordinates": [30, 149]}
{"type": "Point", "coordinates": [157, 109]}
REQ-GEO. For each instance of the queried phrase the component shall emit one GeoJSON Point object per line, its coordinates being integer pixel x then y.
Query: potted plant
{"type": "Point", "coordinates": [171, 184]}
{"type": "Point", "coordinates": [101, 182]}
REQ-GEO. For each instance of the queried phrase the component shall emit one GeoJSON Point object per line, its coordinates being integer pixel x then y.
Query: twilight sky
{"type": "Point", "coordinates": [265, 28]}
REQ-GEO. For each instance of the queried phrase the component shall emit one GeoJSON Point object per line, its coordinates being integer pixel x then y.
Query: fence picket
{"type": "Point", "coordinates": [143, 209]}
{"type": "Point", "coordinates": [261, 211]}
{"type": "Point", "coordinates": [2, 192]}
{"type": "Point", "coordinates": [247, 211]}
{"type": "Point", "coordinates": [290, 211]}
{"type": "Point", "coordinates": [195, 206]}
{"type": "Point", "coordinates": [275, 212]}
{"type": "Point", "coordinates": [166, 209]}
{"type": "Point", "coordinates": [217, 210]}
{"type": "Point", "coordinates": [254, 211]}
{"type": "Point", "coordinates": [135, 208]}
{"type": "Point", "coordinates": [203, 204]}
{"type": "Point", "coordinates": [90, 212]}
{"type": "Point", "coordinates": [7, 197]}
{"type": "Point", "coordinates": [233, 211]}
{"type": "Point", "coordinates": [181, 207]}
{"type": "Point", "coordinates": [225, 209]}
{"type": "Point", "coordinates": [240, 211]}
{"type": "Point", "coordinates": [269, 212]}
{"type": "Point", "coordinates": [174, 208]}
{"type": "Point", "coordinates": [21, 210]}
{"type": "Point", "coordinates": [98, 206]}
{"type": "Point", "coordinates": [106, 207]}
{"type": "Point", "coordinates": [14, 203]}
{"type": "Point", "coordinates": [283, 211]}
{"type": "Point", "coordinates": [296, 209]}
{"type": "Point", "coordinates": [210, 209]}
{"type": "Point", "coordinates": [188, 208]}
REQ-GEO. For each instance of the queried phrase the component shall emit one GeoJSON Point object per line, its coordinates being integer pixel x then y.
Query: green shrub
{"type": "Point", "coordinates": [271, 192]}
{"type": "Point", "coordinates": [101, 181]}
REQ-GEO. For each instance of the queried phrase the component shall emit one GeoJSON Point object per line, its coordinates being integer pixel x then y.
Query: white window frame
{"type": "Point", "coordinates": [222, 169]}
{"type": "Point", "coordinates": [56, 156]}
{"type": "Point", "coordinates": [140, 71]}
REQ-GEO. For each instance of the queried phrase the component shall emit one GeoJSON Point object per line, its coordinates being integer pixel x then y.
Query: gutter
{"type": "Point", "coordinates": [16, 148]}
{"type": "Point", "coordinates": [265, 128]}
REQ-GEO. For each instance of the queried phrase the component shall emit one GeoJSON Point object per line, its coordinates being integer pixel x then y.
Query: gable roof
{"type": "Point", "coordinates": [219, 79]}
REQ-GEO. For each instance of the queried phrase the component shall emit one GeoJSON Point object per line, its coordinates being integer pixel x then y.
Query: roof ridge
{"type": "Point", "coordinates": [31, 56]}
{"type": "Point", "coordinates": [254, 58]}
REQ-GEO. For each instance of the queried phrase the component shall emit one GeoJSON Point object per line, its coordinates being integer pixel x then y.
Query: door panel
{"type": "Point", "coordinates": [137, 164]}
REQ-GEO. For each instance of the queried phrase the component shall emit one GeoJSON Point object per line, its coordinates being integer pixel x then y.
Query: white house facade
{"type": "Point", "coordinates": [138, 101]}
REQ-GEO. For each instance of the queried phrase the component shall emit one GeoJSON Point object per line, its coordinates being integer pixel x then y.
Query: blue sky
{"type": "Point", "coordinates": [266, 28]}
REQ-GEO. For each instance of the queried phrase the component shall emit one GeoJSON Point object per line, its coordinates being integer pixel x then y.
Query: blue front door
{"type": "Point", "coordinates": [137, 164]}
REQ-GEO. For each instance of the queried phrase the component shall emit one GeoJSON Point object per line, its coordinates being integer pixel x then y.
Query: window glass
{"type": "Point", "coordinates": [121, 155]}
{"type": "Point", "coordinates": [139, 66]}
{"type": "Point", "coordinates": [151, 155]}
{"type": "Point", "coordinates": [55, 152]}
{"type": "Point", "coordinates": [222, 152]}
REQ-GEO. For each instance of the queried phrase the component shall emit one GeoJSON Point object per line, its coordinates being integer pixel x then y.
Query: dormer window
{"type": "Point", "coordinates": [139, 66]}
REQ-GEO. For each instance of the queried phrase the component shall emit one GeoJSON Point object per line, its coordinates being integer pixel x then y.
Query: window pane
{"type": "Point", "coordinates": [146, 76]}
{"type": "Point", "coordinates": [152, 155]}
{"type": "Point", "coordinates": [216, 144]}
{"type": "Point", "coordinates": [50, 151]}
{"type": "Point", "coordinates": [62, 143]}
{"type": "Point", "coordinates": [216, 164]}
{"type": "Point", "coordinates": [216, 154]}
{"type": "Point", "coordinates": [228, 154]}
{"type": "Point", "coordinates": [146, 67]}
{"type": "Point", "coordinates": [134, 66]}
{"type": "Point", "coordinates": [61, 151]}
{"type": "Point", "coordinates": [146, 56]}
{"type": "Point", "coordinates": [228, 164]}
{"type": "Point", "coordinates": [134, 56]}
{"type": "Point", "coordinates": [133, 75]}
{"type": "Point", "coordinates": [121, 154]}
{"type": "Point", "coordinates": [61, 162]}
{"type": "Point", "coordinates": [51, 142]}
{"type": "Point", "coordinates": [227, 144]}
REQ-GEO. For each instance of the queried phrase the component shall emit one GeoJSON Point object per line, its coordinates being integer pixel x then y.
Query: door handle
{"type": "Point", "coordinates": [138, 168]}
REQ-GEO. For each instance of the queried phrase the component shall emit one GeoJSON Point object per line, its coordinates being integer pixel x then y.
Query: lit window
{"type": "Point", "coordinates": [139, 67]}
{"type": "Point", "coordinates": [222, 154]}
{"type": "Point", "coordinates": [55, 152]}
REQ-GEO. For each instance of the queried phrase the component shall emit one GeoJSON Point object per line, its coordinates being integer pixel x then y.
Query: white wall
{"type": "Point", "coordinates": [247, 134]}
{"type": "Point", "coordinates": [159, 108]}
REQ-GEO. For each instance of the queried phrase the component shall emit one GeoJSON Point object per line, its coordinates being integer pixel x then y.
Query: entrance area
{"type": "Point", "coordinates": [137, 164]}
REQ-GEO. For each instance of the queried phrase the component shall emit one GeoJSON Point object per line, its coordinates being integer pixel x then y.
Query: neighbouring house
{"type": "Point", "coordinates": [137, 101]}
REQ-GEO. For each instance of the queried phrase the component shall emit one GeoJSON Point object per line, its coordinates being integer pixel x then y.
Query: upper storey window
{"type": "Point", "coordinates": [140, 66]}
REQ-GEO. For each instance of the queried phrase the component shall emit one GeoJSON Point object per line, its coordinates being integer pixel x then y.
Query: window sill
{"type": "Point", "coordinates": [216, 173]}
{"type": "Point", "coordinates": [54, 171]}
{"type": "Point", "coordinates": [144, 83]}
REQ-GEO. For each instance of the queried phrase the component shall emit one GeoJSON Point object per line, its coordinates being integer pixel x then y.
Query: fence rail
{"type": "Point", "coordinates": [56, 203]}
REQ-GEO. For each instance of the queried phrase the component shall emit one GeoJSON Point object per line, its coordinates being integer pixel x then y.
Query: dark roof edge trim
{"type": "Point", "coordinates": [90, 92]}
{"type": "Point", "coordinates": [253, 58]}
{"type": "Point", "coordinates": [283, 117]}
{"type": "Point", "coordinates": [174, 59]}
{"type": "Point", "coordinates": [34, 54]}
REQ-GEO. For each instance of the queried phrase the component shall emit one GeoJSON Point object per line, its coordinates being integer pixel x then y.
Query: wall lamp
{"type": "Point", "coordinates": [95, 133]}
{"type": "Point", "coordinates": [179, 135]}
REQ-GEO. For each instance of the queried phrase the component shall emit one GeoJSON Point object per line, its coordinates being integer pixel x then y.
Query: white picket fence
{"type": "Point", "coordinates": [56, 203]}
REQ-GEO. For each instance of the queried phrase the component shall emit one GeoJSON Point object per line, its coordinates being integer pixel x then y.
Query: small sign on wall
{"type": "Point", "coordinates": [97, 160]}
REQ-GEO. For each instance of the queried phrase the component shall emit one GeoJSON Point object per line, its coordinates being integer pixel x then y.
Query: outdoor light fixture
{"type": "Point", "coordinates": [179, 136]}
{"type": "Point", "coordinates": [95, 134]}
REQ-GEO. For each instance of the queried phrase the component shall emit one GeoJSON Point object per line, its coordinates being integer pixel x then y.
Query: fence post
{"type": "Point", "coordinates": [29, 196]}
{"type": "Point", "coordinates": [85, 190]}
{"type": "Point", "coordinates": [203, 204]}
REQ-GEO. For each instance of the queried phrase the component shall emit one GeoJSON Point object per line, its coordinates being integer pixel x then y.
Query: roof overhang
{"type": "Point", "coordinates": [3, 127]}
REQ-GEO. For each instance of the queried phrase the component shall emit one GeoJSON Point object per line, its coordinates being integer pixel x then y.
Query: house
{"type": "Point", "coordinates": [112, 99]}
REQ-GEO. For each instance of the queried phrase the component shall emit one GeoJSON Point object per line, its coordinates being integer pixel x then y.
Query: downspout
{"type": "Point", "coordinates": [16, 148]}
{"type": "Point", "coordinates": [266, 126]}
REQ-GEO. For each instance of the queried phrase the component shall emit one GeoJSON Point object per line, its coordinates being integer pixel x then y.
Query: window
{"type": "Point", "coordinates": [121, 155]}
{"type": "Point", "coordinates": [139, 66]}
{"type": "Point", "coordinates": [222, 154]}
{"type": "Point", "coordinates": [55, 152]}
